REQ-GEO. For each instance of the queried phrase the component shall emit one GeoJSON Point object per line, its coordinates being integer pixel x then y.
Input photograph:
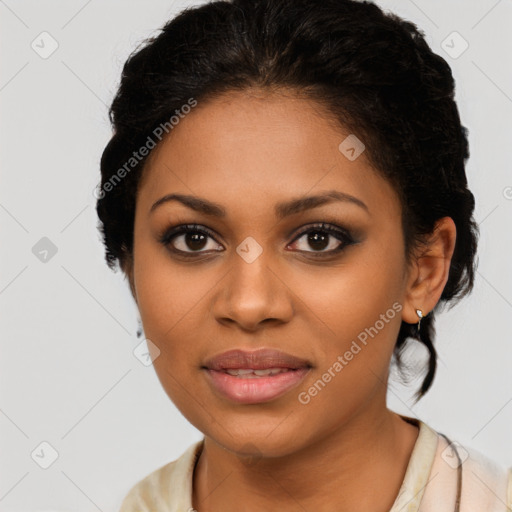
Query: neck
{"type": "Point", "coordinates": [360, 466]}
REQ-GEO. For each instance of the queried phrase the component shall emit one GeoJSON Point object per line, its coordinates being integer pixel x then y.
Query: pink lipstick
{"type": "Point", "coordinates": [255, 377]}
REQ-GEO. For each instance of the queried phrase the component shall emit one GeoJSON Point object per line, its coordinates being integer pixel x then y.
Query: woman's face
{"type": "Point", "coordinates": [265, 275]}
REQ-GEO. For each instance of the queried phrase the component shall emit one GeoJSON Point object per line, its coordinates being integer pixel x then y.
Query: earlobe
{"type": "Point", "coordinates": [419, 312]}
{"type": "Point", "coordinates": [429, 272]}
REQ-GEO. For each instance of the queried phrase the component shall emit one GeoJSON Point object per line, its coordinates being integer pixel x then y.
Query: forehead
{"type": "Point", "coordinates": [250, 150]}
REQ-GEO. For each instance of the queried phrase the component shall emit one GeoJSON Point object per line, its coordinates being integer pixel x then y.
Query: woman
{"type": "Point", "coordinates": [285, 191]}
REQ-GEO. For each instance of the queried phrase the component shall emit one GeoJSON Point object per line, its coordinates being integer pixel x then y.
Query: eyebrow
{"type": "Point", "coordinates": [282, 210]}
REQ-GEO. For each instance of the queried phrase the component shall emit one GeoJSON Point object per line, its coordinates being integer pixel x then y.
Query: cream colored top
{"type": "Point", "coordinates": [429, 485]}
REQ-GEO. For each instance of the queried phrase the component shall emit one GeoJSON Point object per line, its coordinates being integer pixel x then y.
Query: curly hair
{"type": "Point", "coordinates": [374, 73]}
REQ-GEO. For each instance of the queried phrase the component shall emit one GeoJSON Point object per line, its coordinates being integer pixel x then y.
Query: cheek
{"type": "Point", "coordinates": [169, 303]}
{"type": "Point", "coordinates": [359, 304]}
{"type": "Point", "coordinates": [164, 295]}
{"type": "Point", "coordinates": [362, 310]}
{"type": "Point", "coordinates": [351, 297]}
{"type": "Point", "coordinates": [165, 292]}
{"type": "Point", "coordinates": [174, 309]}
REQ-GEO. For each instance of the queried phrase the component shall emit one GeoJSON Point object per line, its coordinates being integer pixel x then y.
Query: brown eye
{"type": "Point", "coordinates": [189, 239]}
{"type": "Point", "coordinates": [194, 241]}
{"type": "Point", "coordinates": [322, 239]}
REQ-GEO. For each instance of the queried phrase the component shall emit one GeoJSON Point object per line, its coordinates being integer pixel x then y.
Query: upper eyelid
{"type": "Point", "coordinates": [344, 236]}
{"type": "Point", "coordinates": [180, 228]}
{"type": "Point", "coordinates": [326, 226]}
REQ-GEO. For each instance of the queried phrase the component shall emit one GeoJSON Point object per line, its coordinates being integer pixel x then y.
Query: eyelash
{"type": "Point", "coordinates": [340, 234]}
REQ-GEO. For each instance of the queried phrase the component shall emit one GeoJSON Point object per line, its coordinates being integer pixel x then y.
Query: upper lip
{"type": "Point", "coordinates": [257, 360]}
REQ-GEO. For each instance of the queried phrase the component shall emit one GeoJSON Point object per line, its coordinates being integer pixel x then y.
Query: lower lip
{"type": "Point", "coordinates": [256, 390]}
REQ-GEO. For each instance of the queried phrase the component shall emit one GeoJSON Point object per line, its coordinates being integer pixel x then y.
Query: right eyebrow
{"type": "Point", "coordinates": [195, 203]}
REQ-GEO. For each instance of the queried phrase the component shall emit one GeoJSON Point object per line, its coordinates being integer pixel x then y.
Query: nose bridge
{"type": "Point", "coordinates": [249, 270]}
{"type": "Point", "coordinates": [252, 293]}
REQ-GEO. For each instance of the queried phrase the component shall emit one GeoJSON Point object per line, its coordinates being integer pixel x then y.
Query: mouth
{"type": "Point", "coordinates": [251, 373]}
{"type": "Point", "coordinates": [255, 377]}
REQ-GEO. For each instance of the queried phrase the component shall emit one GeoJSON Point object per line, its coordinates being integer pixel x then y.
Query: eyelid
{"type": "Point", "coordinates": [180, 229]}
{"type": "Point", "coordinates": [322, 226]}
{"type": "Point", "coordinates": [343, 235]}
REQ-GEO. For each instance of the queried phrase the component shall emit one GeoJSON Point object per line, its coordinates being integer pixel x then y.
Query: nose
{"type": "Point", "coordinates": [253, 295]}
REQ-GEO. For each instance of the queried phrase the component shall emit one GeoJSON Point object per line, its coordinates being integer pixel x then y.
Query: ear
{"type": "Point", "coordinates": [429, 271]}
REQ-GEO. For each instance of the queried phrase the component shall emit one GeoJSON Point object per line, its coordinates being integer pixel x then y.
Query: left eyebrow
{"type": "Point", "coordinates": [283, 209]}
{"type": "Point", "coordinates": [305, 203]}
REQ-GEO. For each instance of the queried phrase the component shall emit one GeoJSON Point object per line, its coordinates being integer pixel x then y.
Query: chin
{"type": "Point", "coordinates": [257, 437]}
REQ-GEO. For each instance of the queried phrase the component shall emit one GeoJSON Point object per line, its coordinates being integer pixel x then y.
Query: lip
{"type": "Point", "coordinates": [257, 360]}
{"type": "Point", "coordinates": [254, 390]}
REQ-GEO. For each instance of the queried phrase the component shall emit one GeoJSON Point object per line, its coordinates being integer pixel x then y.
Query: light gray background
{"type": "Point", "coordinates": [68, 375]}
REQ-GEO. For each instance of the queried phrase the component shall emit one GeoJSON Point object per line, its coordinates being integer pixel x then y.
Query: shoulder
{"type": "Point", "coordinates": [168, 488]}
{"type": "Point", "coordinates": [484, 480]}
{"type": "Point", "coordinates": [462, 474]}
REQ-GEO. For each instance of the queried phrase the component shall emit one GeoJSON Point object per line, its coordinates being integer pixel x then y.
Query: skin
{"type": "Point", "coordinates": [248, 151]}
